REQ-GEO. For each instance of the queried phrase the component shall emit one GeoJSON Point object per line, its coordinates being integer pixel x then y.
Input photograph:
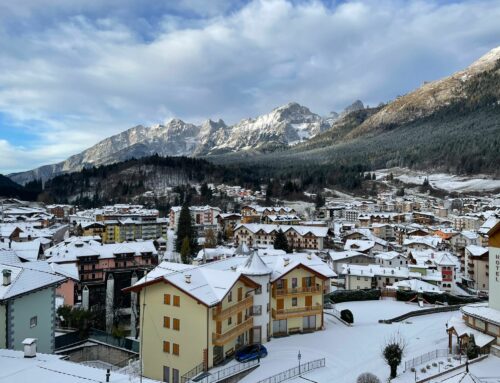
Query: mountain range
{"type": "Point", "coordinates": [442, 117]}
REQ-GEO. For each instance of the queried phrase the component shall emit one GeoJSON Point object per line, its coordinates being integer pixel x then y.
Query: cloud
{"type": "Point", "coordinates": [77, 71]}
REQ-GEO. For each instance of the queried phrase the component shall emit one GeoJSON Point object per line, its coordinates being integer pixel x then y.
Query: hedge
{"type": "Point", "coordinates": [432, 298]}
{"type": "Point", "coordinates": [340, 296]}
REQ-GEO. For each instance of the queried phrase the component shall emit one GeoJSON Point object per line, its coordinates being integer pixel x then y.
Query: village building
{"type": "Point", "coordinates": [211, 310]}
{"type": "Point", "coordinates": [298, 236]}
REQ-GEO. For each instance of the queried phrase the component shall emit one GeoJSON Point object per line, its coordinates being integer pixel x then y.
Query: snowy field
{"type": "Point", "coordinates": [350, 351]}
{"type": "Point", "coordinates": [449, 182]}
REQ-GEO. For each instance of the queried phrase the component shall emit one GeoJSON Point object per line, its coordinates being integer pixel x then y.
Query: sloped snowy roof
{"type": "Point", "coordinates": [48, 368]}
{"type": "Point", "coordinates": [458, 324]}
{"type": "Point", "coordinates": [389, 255]}
{"type": "Point", "coordinates": [488, 224]}
{"type": "Point", "coordinates": [476, 251]}
{"type": "Point", "coordinates": [210, 282]}
{"type": "Point", "coordinates": [415, 285]}
{"type": "Point", "coordinates": [340, 255]}
{"type": "Point", "coordinates": [28, 276]}
{"type": "Point", "coordinates": [254, 265]}
{"type": "Point", "coordinates": [358, 245]}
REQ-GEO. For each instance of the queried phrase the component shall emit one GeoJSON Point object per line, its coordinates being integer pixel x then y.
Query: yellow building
{"type": "Point", "coordinates": [195, 317]}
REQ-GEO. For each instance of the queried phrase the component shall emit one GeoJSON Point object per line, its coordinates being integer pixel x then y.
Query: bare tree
{"type": "Point", "coordinates": [367, 377]}
{"type": "Point", "coordinates": [393, 352]}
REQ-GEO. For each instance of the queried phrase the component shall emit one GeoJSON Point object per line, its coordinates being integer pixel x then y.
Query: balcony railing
{"type": "Point", "coordinates": [297, 290]}
{"type": "Point", "coordinates": [219, 314]}
{"type": "Point", "coordinates": [221, 339]}
{"type": "Point", "coordinates": [297, 311]}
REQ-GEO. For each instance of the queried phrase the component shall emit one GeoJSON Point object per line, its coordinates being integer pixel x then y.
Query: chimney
{"type": "Point", "coordinates": [6, 277]}
{"type": "Point", "coordinates": [29, 347]}
{"type": "Point", "coordinates": [287, 261]}
{"type": "Point", "coordinates": [309, 256]}
{"type": "Point", "coordinates": [187, 278]}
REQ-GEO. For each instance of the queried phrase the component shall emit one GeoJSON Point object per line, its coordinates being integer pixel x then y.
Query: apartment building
{"type": "Point", "coordinates": [299, 237]}
{"type": "Point", "coordinates": [194, 317]}
{"type": "Point", "coordinates": [204, 217]}
{"type": "Point", "coordinates": [476, 267]}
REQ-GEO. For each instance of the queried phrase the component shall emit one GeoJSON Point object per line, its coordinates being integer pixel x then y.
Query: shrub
{"type": "Point", "coordinates": [347, 316]}
{"type": "Point", "coordinates": [367, 377]}
{"type": "Point", "coordinates": [340, 296]}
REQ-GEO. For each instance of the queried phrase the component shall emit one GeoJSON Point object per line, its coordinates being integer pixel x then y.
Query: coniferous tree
{"type": "Point", "coordinates": [185, 251]}
{"type": "Point", "coordinates": [185, 229]}
{"type": "Point", "coordinates": [280, 242]}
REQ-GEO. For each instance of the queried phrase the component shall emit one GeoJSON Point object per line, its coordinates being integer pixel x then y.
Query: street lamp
{"type": "Point", "coordinates": [298, 357]}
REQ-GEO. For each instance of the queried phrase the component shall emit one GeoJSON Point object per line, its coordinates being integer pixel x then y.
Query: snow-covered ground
{"type": "Point", "coordinates": [350, 351]}
{"type": "Point", "coordinates": [449, 182]}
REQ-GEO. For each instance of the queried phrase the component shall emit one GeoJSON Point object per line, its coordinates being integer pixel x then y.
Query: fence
{"type": "Point", "coordinates": [225, 373]}
{"type": "Point", "coordinates": [410, 314]}
{"type": "Point", "coordinates": [74, 338]}
{"type": "Point", "coordinates": [193, 372]}
{"type": "Point", "coordinates": [296, 371]}
{"type": "Point", "coordinates": [432, 355]}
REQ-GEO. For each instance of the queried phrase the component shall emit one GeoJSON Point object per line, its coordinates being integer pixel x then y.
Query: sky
{"type": "Point", "coordinates": [75, 72]}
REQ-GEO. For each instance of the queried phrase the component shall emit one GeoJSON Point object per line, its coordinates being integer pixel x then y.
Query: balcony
{"type": "Point", "coordinates": [221, 339]}
{"type": "Point", "coordinates": [297, 290]}
{"type": "Point", "coordinates": [219, 314]}
{"type": "Point", "coordinates": [297, 312]}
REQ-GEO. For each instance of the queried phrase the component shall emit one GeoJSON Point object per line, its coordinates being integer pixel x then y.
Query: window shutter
{"type": "Point", "coordinates": [166, 299]}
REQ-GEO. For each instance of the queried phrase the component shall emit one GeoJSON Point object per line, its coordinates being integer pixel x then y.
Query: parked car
{"type": "Point", "coordinates": [251, 352]}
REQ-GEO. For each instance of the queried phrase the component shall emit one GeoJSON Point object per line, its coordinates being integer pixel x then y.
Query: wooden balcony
{"type": "Point", "coordinates": [219, 314]}
{"type": "Point", "coordinates": [221, 339]}
{"type": "Point", "coordinates": [297, 312]}
{"type": "Point", "coordinates": [297, 291]}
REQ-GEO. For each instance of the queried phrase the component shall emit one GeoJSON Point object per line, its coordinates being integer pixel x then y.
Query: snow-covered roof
{"type": "Point", "coordinates": [49, 368]}
{"type": "Point", "coordinates": [388, 255]}
{"type": "Point", "coordinates": [216, 252]}
{"type": "Point", "coordinates": [489, 224]}
{"type": "Point", "coordinates": [482, 311]}
{"type": "Point", "coordinates": [458, 324]}
{"type": "Point", "coordinates": [377, 270]}
{"type": "Point", "coordinates": [28, 276]}
{"type": "Point", "coordinates": [427, 240]}
{"type": "Point", "coordinates": [340, 255]}
{"type": "Point", "coordinates": [476, 251]}
{"type": "Point", "coordinates": [28, 251]}
{"type": "Point", "coordinates": [415, 285]}
{"type": "Point", "coordinates": [358, 245]}
{"type": "Point", "coordinates": [210, 282]}
{"type": "Point", "coordinates": [74, 248]}
{"type": "Point", "coordinates": [254, 265]}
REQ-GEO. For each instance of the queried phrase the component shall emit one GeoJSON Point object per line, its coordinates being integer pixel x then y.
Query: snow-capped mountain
{"type": "Point", "coordinates": [284, 126]}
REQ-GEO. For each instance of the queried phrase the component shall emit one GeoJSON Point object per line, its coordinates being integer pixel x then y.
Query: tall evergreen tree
{"type": "Point", "coordinates": [185, 251]}
{"type": "Point", "coordinates": [185, 229]}
{"type": "Point", "coordinates": [280, 242]}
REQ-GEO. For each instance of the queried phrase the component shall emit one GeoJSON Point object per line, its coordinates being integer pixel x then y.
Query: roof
{"type": "Point", "coordinates": [254, 265]}
{"type": "Point", "coordinates": [210, 282]}
{"type": "Point", "coordinates": [482, 311]}
{"type": "Point", "coordinates": [340, 255]}
{"type": "Point", "coordinates": [377, 270]}
{"type": "Point", "coordinates": [389, 255]}
{"type": "Point", "coordinates": [458, 324]}
{"type": "Point", "coordinates": [358, 244]}
{"type": "Point", "coordinates": [476, 251]}
{"type": "Point", "coordinates": [489, 224]}
{"type": "Point", "coordinates": [415, 285]}
{"type": "Point", "coordinates": [48, 368]}
{"type": "Point", "coordinates": [28, 276]}
{"type": "Point", "coordinates": [76, 247]}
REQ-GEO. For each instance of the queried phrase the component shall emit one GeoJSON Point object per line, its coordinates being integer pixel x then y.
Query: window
{"type": "Point", "coordinates": [166, 322]}
{"type": "Point", "coordinates": [307, 282]}
{"type": "Point", "coordinates": [166, 346]}
{"type": "Point", "coordinates": [294, 302]}
{"type": "Point", "coordinates": [258, 290]}
{"type": "Point", "coordinates": [166, 299]}
{"type": "Point", "coordinates": [33, 321]}
{"type": "Point", "coordinates": [175, 375]}
{"type": "Point", "coordinates": [294, 283]}
{"type": "Point", "coordinates": [175, 349]}
{"type": "Point", "coordinates": [230, 296]}
{"type": "Point", "coordinates": [177, 324]}
{"type": "Point", "coordinates": [229, 321]}
{"type": "Point", "coordinates": [358, 278]}
{"type": "Point", "coordinates": [177, 300]}
{"type": "Point", "coordinates": [280, 284]}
